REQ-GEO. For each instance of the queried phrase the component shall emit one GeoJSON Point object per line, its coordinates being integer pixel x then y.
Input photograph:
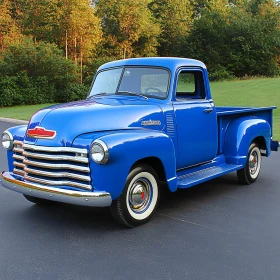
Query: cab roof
{"type": "Point", "coordinates": [169, 62]}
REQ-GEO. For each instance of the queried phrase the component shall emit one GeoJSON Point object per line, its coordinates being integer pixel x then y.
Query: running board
{"type": "Point", "coordinates": [201, 176]}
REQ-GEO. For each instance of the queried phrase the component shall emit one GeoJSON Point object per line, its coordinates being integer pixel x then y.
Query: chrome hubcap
{"type": "Point", "coordinates": [140, 195]}
{"type": "Point", "coordinates": [253, 162]}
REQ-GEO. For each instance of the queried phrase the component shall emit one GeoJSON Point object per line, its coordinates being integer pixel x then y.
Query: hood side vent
{"type": "Point", "coordinates": [170, 130]}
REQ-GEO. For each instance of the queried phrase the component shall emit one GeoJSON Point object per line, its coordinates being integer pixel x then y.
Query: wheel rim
{"type": "Point", "coordinates": [253, 162]}
{"type": "Point", "coordinates": [140, 195]}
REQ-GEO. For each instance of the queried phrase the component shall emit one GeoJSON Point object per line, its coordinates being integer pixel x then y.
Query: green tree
{"type": "Point", "coordinates": [37, 73]}
{"type": "Point", "coordinates": [128, 27]}
{"type": "Point", "coordinates": [84, 31]}
{"type": "Point", "coordinates": [201, 6]}
{"type": "Point", "coordinates": [9, 31]}
{"type": "Point", "coordinates": [175, 19]}
{"type": "Point", "coordinates": [236, 43]}
{"type": "Point", "coordinates": [71, 24]}
{"type": "Point", "coordinates": [37, 18]}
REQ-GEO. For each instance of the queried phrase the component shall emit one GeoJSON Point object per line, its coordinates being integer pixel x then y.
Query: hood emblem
{"type": "Point", "coordinates": [41, 133]}
{"type": "Point", "coordinates": [150, 122]}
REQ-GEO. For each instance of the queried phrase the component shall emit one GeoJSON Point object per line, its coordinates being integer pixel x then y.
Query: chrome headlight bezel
{"type": "Point", "coordinates": [105, 152]}
{"type": "Point", "coordinates": [7, 140]}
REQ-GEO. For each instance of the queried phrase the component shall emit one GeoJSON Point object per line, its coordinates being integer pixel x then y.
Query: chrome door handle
{"type": "Point", "coordinates": [208, 110]}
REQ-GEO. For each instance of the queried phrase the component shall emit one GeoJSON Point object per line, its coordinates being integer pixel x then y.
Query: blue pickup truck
{"type": "Point", "coordinates": [145, 123]}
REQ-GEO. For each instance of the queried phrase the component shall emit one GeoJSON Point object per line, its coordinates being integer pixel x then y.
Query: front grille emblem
{"type": "Point", "coordinates": [41, 133]}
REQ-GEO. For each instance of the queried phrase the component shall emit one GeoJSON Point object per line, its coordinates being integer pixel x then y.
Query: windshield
{"type": "Point", "coordinates": [142, 81]}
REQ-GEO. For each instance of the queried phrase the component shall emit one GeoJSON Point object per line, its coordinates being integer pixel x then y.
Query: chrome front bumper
{"type": "Point", "coordinates": [97, 199]}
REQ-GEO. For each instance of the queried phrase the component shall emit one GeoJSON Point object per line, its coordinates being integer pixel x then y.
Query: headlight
{"type": "Point", "coordinates": [99, 152]}
{"type": "Point", "coordinates": [7, 140]}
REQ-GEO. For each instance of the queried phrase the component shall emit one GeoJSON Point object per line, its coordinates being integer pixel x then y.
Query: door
{"type": "Point", "coordinates": [196, 120]}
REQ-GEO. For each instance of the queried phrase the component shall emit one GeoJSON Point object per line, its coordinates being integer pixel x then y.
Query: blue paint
{"type": "Point", "coordinates": [240, 134]}
{"type": "Point", "coordinates": [194, 140]}
{"type": "Point", "coordinates": [206, 174]}
{"type": "Point", "coordinates": [125, 148]}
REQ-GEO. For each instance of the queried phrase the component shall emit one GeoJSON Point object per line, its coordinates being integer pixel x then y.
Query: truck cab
{"type": "Point", "coordinates": [145, 123]}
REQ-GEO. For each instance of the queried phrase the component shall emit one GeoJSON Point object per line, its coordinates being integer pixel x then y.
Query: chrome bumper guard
{"type": "Point", "coordinates": [97, 199]}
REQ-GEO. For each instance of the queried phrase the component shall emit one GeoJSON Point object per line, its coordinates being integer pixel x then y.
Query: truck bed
{"type": "Point", "coordinates": [222, 111]}
{"type": "Point", "coordinates": [226, 114]}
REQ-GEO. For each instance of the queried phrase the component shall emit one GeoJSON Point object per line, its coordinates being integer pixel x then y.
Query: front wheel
{"type": "Point", "coordinates": [139, 199]}
{"type": "Point", "coordinates": [251, 170]}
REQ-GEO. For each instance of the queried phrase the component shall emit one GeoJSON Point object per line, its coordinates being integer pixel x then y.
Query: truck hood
{"type": "Point", "coordinates": [101, 114]}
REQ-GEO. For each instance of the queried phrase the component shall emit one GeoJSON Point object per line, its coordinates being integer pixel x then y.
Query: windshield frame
{"type": "Point", "coordinates": [121, 76]}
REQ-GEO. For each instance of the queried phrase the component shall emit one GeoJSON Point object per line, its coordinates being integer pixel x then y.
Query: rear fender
{"type": "Point", "coordinates": [128, 147]}
{"type": "Point", "coordinates": [240, 134]}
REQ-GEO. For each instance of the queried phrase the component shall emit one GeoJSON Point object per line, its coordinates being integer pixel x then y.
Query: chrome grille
{"type": "Point", "coordinates": [56, 166]}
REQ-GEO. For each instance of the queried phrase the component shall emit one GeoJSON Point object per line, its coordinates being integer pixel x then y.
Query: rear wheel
{"type": "Point", "coordinates": [251, 170]}
{"type": "Point", "coordinates": [37, 200]}
{"type": "Point", "coordinates": [139, 199]}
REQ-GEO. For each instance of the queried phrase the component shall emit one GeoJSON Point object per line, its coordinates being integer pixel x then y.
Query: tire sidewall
{"type": "Point", "coordinates": [251, 178]}
{"type": "Point", "coordinates": [132, 218]}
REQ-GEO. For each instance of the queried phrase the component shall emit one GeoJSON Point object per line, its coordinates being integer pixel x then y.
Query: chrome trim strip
{"type": "Point", "coordinates": [97, 199]}
{"type": "Point", "coordinates": [17, 142]}
{"type": "Point", "coordinates": [18, 150]}
{"type": "Point", "coordinates": [19, 172]}
{"type": "Point", "coordinates": [18, 157]}
{"type": "Point", "coordinates": [105, 148]}
{"type": "Point", "coordinates": [57, 174]}
{"type": "Point", "coordinates": [9, 133]}
{"type": "Point", "coordinates": [18, 164]}
{"type": "Point", "coordinates": [56, 166]}
{"type": "Point", "coordinates": [194, 165]}
{"type": "Point", "coordinates": [55, 149]}
{"type": "Point", "coordinates": [11, 141]}
{"type": "Point", "coordinates": [58, 183]}
{"type": "Point", "coordinates": [56, 157]}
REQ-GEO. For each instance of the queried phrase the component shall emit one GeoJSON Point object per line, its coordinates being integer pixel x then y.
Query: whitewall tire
{"type": "Point", "coordinates": [251, 170]}
{"type": "Point", "coordinates": [139, 198]}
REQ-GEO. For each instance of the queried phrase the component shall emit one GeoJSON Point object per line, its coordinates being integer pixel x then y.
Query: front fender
{"type": "Point", "coordinates": [18, 133]}
{"type": "Point", "coordinates": [126, 148]}
{"type": "Point", "coordinates": [240, 134]}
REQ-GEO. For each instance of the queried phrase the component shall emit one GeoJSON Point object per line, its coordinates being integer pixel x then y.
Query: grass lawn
{"type": "Point", "coordinates": [252, 93]}
{"type": "Point", "coordinates": [21, 112]}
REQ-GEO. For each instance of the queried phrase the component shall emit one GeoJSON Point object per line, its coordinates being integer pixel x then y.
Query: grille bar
{"type": "Point", "coordinates": [55, 157]}
{"type": "Point", "coordinates": [54, 149]}
{"type": "Point", "coordinates": [21, 158]}
{"type": "Point", "coordinates": [18, 150]}
{"type": "Point", "coordinates": [18, 164]}
{"type": "Point", "coordinates": [19, 172]}
{"type": "Point", "coordinates": [56, 174]}
{"type": "Point", "coordinates": [56, 183]}
{"type": "Point", "coordinates": [56, 166]}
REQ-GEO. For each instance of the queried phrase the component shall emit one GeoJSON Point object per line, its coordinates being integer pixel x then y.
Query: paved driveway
{"type": "Point", "coordinates": [217, 230]}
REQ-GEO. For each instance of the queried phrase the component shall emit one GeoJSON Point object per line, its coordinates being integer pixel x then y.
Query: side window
{"type": "Point", "coordinates": [190, 85]}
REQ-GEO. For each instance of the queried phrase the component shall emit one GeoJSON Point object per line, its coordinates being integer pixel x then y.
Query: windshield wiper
{"type": "Point", "coordinates": [99, 94]}
{"type": "Point", "coordinates": [131, 93]}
